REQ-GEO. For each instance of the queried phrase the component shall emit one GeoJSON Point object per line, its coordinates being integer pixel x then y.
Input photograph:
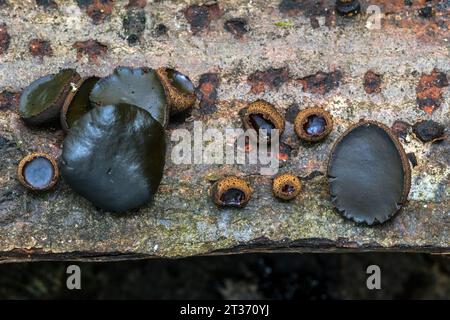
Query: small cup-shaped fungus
{"type": "Point", "coordinates": [368, 173]}
{"type": "Point", "coordinates": [231, 191]}
{"type": "Point", "coordinates": [38, 172]}
{"type": "Point", "coordinates": [137, 86]}
{"type": "Point", "coordinates": [180, 90]}
{"type": "Point", "coordinates": [41, 102]}
{"type": "Point", "coordinates": [114, 157]}
{"type": "Point", "coordinates": [348, 8]}
{"type": "Point", "coordinates": [286, 186]}
{"type": "Point", "coordinates": [313, 124]}
{"type": "Point", "coordinates": [262, 115]}
{"type": "Point", "coordinates": [77, 102]}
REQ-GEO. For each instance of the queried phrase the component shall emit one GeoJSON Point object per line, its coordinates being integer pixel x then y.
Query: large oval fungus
{"type": "Point", "coordinates": [114, 157]}
{"type": "Point", "coordinates": [369, 174]}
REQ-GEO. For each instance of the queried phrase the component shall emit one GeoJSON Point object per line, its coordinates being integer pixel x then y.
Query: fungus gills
{"type": "Point", "coordinates": [369, 174]}
{"type": "Point", "coordinates": [38, 172]}
{"type": "Point", "coordinates": [231, 192]}
{"type": "Point", "coordinates": [114, 157]}
{"type": "Point", "coordinates": [41, 102]}
{"type": "Point", "coordinates": [140, 87]}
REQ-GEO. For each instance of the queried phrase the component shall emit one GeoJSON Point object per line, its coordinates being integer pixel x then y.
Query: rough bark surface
{"type": "Point", "coordinates": [183, 221]}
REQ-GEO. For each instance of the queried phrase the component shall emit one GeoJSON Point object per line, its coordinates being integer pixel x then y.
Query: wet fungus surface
{"type": "Point", "coordinates": [348, 8]}
{"type": "Point", "coordinates": [313, 124]}
{"type": "Point", "coordinates": [369, 174]}
{"type": "Point", "coordinates": [231, 192]}
{"type": "Point", "coordinates": [429, 130]}
{"type": "Point", "coordinates": [262, 115]}
{"type": "Point", "coordinates": [41, 102]}
{"type": "Point", "coordinates": [115, 156]}
{"type": "Point", "coordinates": [77, 102]}
{"type": "Point", "coordinates": [38, 172]}
{"type": "Point", "coordinates": [137, 86]}
{"type": "Point", "coordinates": [286, 186]}
{"type": "Point", "coordinates": [179, 89]}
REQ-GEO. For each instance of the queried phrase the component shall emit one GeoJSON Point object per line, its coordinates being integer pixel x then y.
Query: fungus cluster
{"type": "Point", "coordinates": [114, 151]}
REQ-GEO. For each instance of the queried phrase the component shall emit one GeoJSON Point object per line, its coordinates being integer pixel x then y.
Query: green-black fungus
{"type": "Point", "coordinates": [136, 86]}
{"type": "Point", "coordinates": [114, 157]}
{"type": "Point", "coordinates": [77, 102]}
{"type": "Point", "coordinates": [369, 174]}
{"type": "Point", "coordinates": [41, 102]}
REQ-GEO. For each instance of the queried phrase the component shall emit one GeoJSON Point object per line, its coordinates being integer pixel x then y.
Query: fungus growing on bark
{"type": "Point", "coordinates": [369, 174]}
{"type": "Point", "coordinates": [114, 157]}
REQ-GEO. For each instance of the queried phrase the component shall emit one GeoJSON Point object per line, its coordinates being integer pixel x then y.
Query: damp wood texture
{"type": "Point", "coordinates": [292, 54]}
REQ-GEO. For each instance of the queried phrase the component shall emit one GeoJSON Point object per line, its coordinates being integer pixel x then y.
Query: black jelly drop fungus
{"type": "Point", "coordinates": [261, 114]}
{"type": "Point", "coordinates": [368, 173]}
{"type": "Point", "coordinates": [180, 81]}
{"type": "Point", "coordinates": [348, 8]}
{"type": "Point", "coordinates": [231, 192]}
{"type": "Point", "coordinates": [315, 125]}
{"type": "Point", "coordinates": [38, 172]}
{"type": "Point", "coordinates": [41, 102]}
{"type": "Point", "coordinates": [429, 130]}
{"type": "Point", "coordinates": [259, 123]}
{"type": "Point", "coordinates": [179, 89]}
{"type": "Point", "coordinates": [286, 186]}
{"type": "Point", "coordinates": [114, 157]}
{"type": "Point", "coordinates": [288, 189]}
{"type": "Point", "coordinates": [77, 102]}
{"type": "Point", "coordinates": [136, 86]}
{"type": "Point", "coordinates": [232, 197]}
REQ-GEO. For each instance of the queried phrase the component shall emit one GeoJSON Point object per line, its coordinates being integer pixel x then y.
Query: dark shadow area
{"type": "Point", "coordinates": [250, 276]}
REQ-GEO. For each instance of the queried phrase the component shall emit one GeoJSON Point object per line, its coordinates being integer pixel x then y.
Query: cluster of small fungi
{"type": "Point", "coordinates": [115, 142]}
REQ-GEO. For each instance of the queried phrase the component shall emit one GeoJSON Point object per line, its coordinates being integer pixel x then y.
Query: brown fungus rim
{"type": "Point", "coordinates": [51, 112]}
{"type": "Point", "coordinates": [178, 101]}
{"type": "Point", "coordinates": [30, 157]}
{"type": "Point", "coordinates": [302, 117]}
{"type": "Point", "coordinates": [69, 98]}
{"type": "Point", "coordinates": [227, 183]}
{"type": "Point", "coordinates": [268, 111]}
{"type": "Point", "coordinates": [281, 180]}
{"type": "Point", "coordinates": [404, 159]}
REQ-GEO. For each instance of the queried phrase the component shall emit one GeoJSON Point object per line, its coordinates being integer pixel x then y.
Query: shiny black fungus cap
{"type": "Point", "coordinates": [114, 157]}
{"type": "Point", "coordinates": [369, 174]}
{"type": "Point", "coordinates": [137, 86]}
